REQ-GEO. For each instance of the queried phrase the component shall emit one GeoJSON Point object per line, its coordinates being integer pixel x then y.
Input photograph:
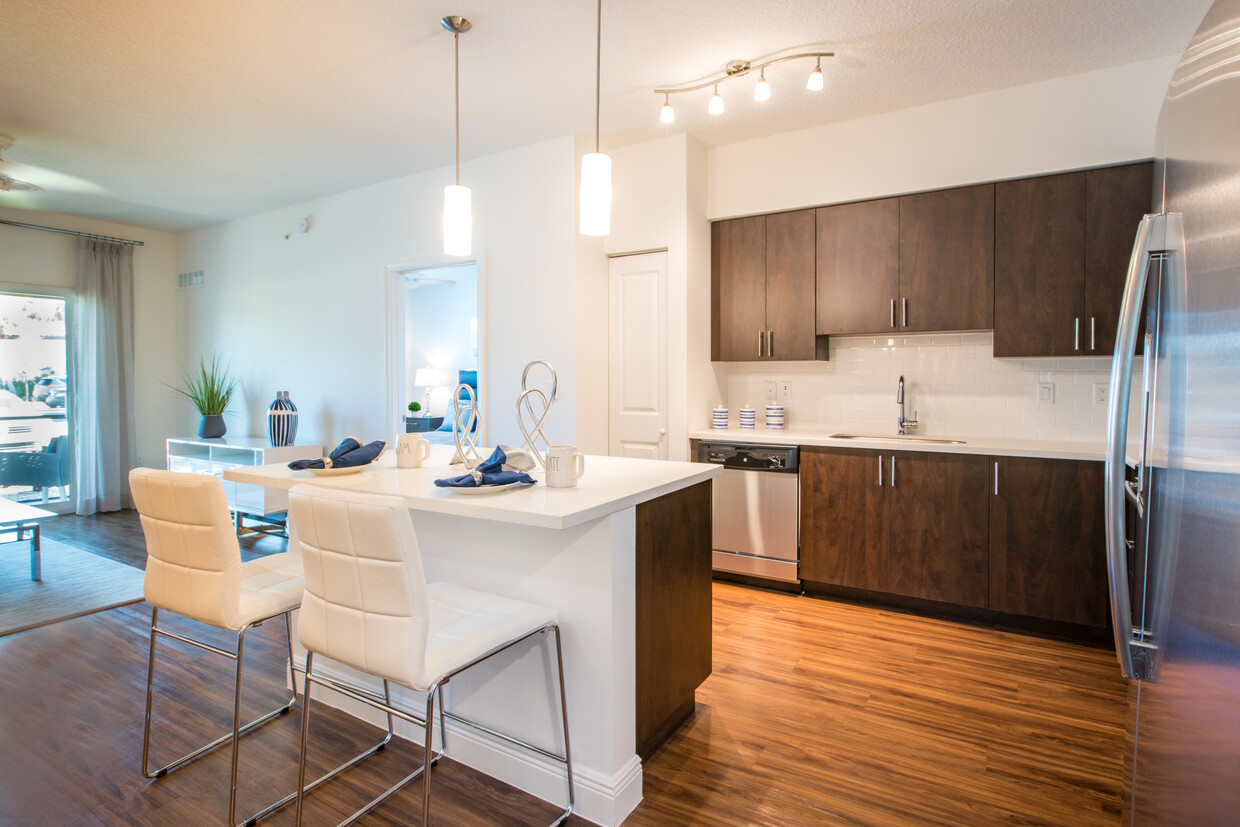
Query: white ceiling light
{"type": "Point", "coordinates": [458, 220]}
{"type": "Point", "coordinates": [595, 166]}
{"type": "Point", "coordinates": [740, 68]}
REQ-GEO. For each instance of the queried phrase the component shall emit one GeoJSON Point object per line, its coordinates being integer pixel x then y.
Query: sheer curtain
{"type": "Point", "coordinates": [103, 377]}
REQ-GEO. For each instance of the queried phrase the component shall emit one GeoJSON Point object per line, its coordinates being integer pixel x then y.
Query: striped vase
{"type": "Point", "coordinates": [282, 421]}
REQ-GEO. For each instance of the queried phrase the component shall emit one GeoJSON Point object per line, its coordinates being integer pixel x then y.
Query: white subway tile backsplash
{"type": "Point", "coordinates": [951, 380]}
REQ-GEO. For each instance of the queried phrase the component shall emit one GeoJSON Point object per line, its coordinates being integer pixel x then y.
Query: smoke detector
{"type": "Point", "coordinates": [7, 182]}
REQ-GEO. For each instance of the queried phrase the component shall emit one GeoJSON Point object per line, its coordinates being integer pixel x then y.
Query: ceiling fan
{"type": "Point", "coordinates": [17, 177]}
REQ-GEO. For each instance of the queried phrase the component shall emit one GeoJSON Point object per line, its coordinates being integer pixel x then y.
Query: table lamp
{"type": "Point", "coordinates": [429, 378]}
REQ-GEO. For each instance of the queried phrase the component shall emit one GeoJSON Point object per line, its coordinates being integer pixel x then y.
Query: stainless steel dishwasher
{"type": "Point", "coordinates": [755, 510]}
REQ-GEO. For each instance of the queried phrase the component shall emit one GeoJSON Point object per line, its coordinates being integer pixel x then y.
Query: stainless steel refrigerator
{"type": "Point", "coordinates": [1173, 465]}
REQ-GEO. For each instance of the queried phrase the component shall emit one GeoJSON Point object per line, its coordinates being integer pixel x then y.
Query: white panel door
{"type": "Point", "coordinates": [638, 356]}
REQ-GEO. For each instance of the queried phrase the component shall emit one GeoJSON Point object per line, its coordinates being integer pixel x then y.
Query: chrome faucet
{"type": "Point", "coordinates": [902, 421]}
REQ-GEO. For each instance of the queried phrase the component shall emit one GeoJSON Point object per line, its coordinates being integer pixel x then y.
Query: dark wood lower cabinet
{"type": "Point", "coordinates": [936, 528]}
{"type": "Point", "coordinates": [1047, 540]}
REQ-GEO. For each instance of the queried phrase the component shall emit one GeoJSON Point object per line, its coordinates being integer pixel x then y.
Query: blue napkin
{"type": "Point", "coordinates": [348, 454]}
{"type": "Point", "coordinates": [490, 472]}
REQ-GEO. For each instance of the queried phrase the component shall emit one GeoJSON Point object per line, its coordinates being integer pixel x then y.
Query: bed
{"type": "Point", "coordinates": [443, 434]}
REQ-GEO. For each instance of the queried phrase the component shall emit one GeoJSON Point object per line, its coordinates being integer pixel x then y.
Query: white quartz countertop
{"type": "Point", "coordinates": [609, 484]}
{"type": "Point", "coordinates": [969, 445]}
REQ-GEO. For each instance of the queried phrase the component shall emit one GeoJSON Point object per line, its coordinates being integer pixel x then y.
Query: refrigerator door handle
{"type": "Point", "coordinates": [1117, 443]}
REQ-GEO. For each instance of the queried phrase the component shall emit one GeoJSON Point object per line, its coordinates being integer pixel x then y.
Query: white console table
{"type": "Point", "coordinates": [196, 455]}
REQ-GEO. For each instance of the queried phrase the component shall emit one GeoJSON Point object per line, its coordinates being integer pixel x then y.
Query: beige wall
{"type": "Point", "coordinates": [42, 259]}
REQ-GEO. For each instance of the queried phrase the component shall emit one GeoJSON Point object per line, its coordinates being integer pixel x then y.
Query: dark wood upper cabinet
{"type": "Point", "coordinates": [1039, 266]}
{"type": "Point", "coordinates": [947, 259]}
{"type": "Point", "coordinates": [790, 247]}
{"type": "Point", "coordinates": [762, 282]}
{"type": "Point", "coordinates": [1116, 198]}
{"type": "Point", "coordinates": [738, 288]}
{"type": "Point", "coordinates": [937, 528]}
{"type": "Point", "coordinates": [1062, 244]}
{"type": "Point", "coordinates": [858, 267]}
{"type": "Point", "coordinates": [842, 518]}
{"type": "Point", "coordinates": [1048, 540]}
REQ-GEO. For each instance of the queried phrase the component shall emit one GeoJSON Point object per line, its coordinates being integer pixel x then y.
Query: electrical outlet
{"type": "Point", "coordinates": [1102, 393]}
{"type": "Point", "coordinates": [785, 390]}
{"type": "Point", "coordinates": [1046, 393]}
{"type": "Point", "coordinates": [770, 390]}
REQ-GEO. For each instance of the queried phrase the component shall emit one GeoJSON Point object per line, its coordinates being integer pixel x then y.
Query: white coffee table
{"type": "Point", "coordinates": [20, 518]}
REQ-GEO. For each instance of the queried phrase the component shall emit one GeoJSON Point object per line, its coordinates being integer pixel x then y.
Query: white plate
{"type": "Point", "coordinates": [335, 472]}
{"type": "Point", "coordinates": [488, 489]}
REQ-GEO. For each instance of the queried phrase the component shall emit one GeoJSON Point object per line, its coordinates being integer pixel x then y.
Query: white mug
{"type": "Point", "coordinates": [565, 465]}
{"type": "Point", "coordinates": [411, 450]}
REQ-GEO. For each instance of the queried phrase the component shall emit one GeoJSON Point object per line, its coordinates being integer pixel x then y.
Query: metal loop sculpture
{"type": "Point", "coordinates": [466, 423]}
{"type": "Point", "coordinates": [534, 429]}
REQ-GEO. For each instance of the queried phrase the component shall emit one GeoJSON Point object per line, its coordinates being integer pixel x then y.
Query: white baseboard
{"type": "Point", "coordinates": [604, 800]}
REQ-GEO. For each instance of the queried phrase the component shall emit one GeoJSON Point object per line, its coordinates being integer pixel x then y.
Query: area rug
{"type": "Point", "coordinates": [74, 583]}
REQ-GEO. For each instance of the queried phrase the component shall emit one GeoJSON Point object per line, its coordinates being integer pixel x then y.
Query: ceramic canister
{"type": "Point", "coordinates": [719, 418]}
{"type": "Point", "coordinates": [747, 417]}
{"type": "Point", "coordinates": [775, 417]}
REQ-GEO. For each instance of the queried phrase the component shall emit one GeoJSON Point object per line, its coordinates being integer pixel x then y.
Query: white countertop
{"type": "Point", "coordinates": [971, 445]}
{"type": "Point", "coordinates": [608, 485]}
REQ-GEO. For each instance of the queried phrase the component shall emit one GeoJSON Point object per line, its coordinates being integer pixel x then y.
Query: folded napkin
{"type": "Point", "coordinates": [501, 468]}
{"type": "Point", "coordinates": [348, 454]}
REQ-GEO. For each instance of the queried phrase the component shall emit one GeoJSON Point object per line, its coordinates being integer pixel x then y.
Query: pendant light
{"type": "Point", "coordinates": [762, 90]}
{"type": "Point", "coordinates": [458, 217]}
{"type": "Point", "coordinates": [814, 84]}
{"type": "Point", "coordinates": [595, 166]}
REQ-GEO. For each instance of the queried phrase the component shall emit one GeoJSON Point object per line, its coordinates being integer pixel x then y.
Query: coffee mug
{"type": "Point", "coordinates": [564, 466]}
{"type": "Point", "coordinates": [411, 450]}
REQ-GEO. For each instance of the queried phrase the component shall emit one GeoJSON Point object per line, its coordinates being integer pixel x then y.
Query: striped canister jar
{"type": "Point", "coordinates": [719, 418]}
{"type": "Point", "coordinates": [747, 417]}
{"type": "Point", "coordinates": [282, 421]}
{"type": "Point", "coordinates": [774, 417]}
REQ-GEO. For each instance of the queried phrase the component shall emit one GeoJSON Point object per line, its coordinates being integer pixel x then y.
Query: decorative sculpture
{"type": "Point", "coordinates": [534, 430]}
{"type": "Point", "coordinates": [466, 422]}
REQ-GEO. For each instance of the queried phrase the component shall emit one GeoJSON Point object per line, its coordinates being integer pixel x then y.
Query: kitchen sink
{"type": "Point", "coordinates": [900, 438]}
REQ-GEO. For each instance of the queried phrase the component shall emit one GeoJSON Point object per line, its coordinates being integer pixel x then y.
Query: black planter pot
{"type": "Point", "coordinates": [212, 426]}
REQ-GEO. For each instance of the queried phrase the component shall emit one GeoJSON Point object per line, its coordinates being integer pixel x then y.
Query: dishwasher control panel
{"type": "Point", "coordinates": [775, 458]}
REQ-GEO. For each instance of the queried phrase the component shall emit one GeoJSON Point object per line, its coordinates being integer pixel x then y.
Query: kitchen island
{"type": "Point", "coordinates": [624, 557]}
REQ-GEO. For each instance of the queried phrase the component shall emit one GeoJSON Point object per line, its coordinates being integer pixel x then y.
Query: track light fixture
{"type": "Point", "coordinates": [740, 68]}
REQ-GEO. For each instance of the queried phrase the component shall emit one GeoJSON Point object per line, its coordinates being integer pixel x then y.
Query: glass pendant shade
{"type": "Point", "coordinates": [715, 107]}
{"type": "Point", "coordinates": [595, 194]}
{"type": "Point", "coordinates": [762, 92]}
{"type": "Point", "coordinates": [458, 221]}
{"type": "Point", "coordinates": [666, 115]}
{"type": "Point", "coordinates": [814, 84]}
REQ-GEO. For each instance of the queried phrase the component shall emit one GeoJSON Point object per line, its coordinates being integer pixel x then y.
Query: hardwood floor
{"type": "Point", "coordinates": [817, 712]}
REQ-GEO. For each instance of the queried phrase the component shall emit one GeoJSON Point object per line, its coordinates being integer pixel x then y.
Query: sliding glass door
{"type": "Point", "coordinates": [34, 397]}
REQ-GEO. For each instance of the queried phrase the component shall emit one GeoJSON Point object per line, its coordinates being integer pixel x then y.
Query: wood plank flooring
{"type": "Point", "coordinates": [817, 712]}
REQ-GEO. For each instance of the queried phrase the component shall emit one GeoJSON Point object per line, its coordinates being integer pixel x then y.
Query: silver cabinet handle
{"type": "Point", "coordinates": [1091, 333]}
{"type": "Point", "coordinates": [759, 344]}
{"type": "Point", "coordinates": [996, 479]}
{"type": "Point", "coordinates": [1115, 495]}
{"type": "Point", "coordinates": [770, 344]}
{"type": "Point", "coordinates": [1076, 333]}
{"type": "Point", "coordinates": [893, 313]}
{"type": "Point", "coordinates": [880, 469]}
{"type": "Point", "coordinates": [904, 312]}
{"type": "Point", "coordinates": [893, 470]}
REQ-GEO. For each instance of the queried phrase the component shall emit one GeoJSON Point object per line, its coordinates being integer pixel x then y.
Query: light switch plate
{"type": "Point", "coordinates": [1046, 393]}
{"type": "Point", "coordinates": [785, 390]}
{"type": "Point", "coordinates": [770, 390]}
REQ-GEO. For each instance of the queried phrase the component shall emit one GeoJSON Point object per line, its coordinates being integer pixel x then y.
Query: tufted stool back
{"type": "Point", "coordinates": [364, 582]}
{"type": "Point", "coordinates": [193, 564]}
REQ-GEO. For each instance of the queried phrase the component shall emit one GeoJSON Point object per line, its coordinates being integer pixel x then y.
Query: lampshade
{"type": "Point", "coordinates": [715, 107]}
{"type": "Point", "coordinates": [762, 91]}
{"type": "Point", "coordinates": [814, 84]}
{"type": "Point", "coordinates": [595, 194]}
{"type": "Point", "coordinates": [426, 377]}
{"type": "Point", "coordinates": [667, 114]}
{"type": "Point", "coordinates": [458, 221]}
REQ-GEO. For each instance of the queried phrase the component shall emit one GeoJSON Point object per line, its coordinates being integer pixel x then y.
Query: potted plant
{"type": "Point", "coordinates": [414, 407]}
{"type": "Point", "coordinates": [209, 389]}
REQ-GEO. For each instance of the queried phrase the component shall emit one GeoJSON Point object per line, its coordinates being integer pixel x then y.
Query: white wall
{"type": "Point", "coordinates": [42, 259]}
{"type": "Point", "coordinates": [1084, 120]}
{"type": "Point", "coordinates": [307, 314]}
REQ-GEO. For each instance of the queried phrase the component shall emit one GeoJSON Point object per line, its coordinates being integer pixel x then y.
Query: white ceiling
{"type": "Point", "coordinates": [176, 115]}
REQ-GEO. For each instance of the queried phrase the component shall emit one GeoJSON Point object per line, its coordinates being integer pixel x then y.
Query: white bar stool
{"type": "Point", "coordinates": [368, 606]}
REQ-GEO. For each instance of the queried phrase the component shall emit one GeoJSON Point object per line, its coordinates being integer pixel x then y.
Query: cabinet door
{"type": "Point", "coordinates": [738, 289]}
{"type": "Point", "coordinates": [1115, 200]}
{"type": "Point", "coordinates": [937, 528]}
{"type": "Point", "coordinates": [842, 499]}
{"type": "Point", "coordinates": [1040, 267]}
{"type": "Point", "coordinates": [790, 285]}
{"type": "Point", "coordinates": [858, 267]}
{"type": "Point", "coordinates": [1048, 540]}
{"type": "Point", "coordinates": [947, 259]}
